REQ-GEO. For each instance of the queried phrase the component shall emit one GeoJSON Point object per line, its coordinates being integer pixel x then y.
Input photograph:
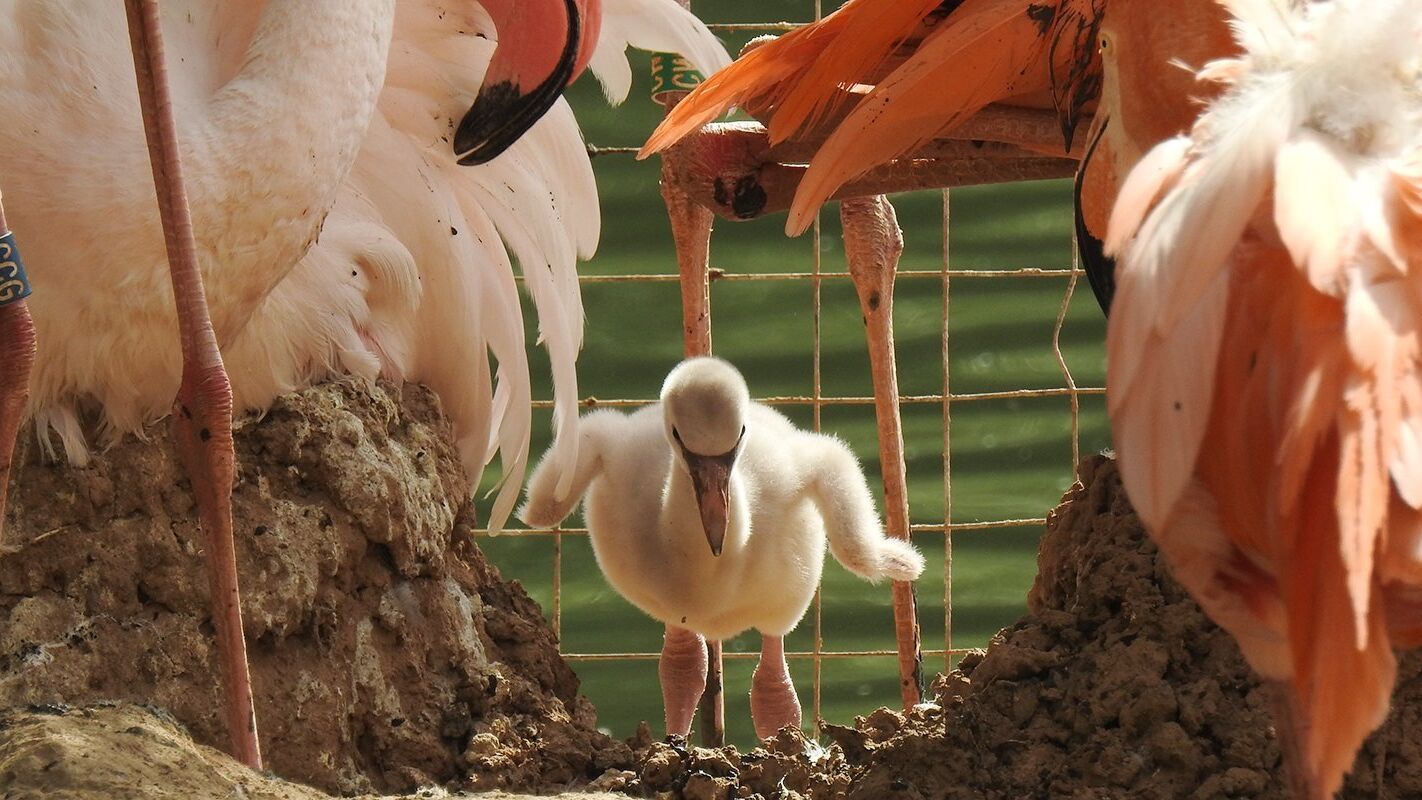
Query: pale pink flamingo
{"type": "Point", "coordinates": [288, 119]}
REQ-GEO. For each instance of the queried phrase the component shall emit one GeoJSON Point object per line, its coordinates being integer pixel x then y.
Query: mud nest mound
{"type": "Point", "coordinates": [1114, 685]}
{"type": "Point", "coordinates": [108, 751]}
{"type": "Point", "coordinates": [386, 653]}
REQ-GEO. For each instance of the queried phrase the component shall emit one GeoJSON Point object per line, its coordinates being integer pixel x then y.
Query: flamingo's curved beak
{"type": "Point", "coordinates": [543, 46]}
{"type": "Point", "coordinates": [711, 479]}
{"type": "Point", "coordinates": [1100, 268]}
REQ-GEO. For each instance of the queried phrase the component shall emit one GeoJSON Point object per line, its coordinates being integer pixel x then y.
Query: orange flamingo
{"type": "Point", "coordinates": [1297, 534]}
{"type": "Point", "coordinates": [879, 79]}
{"type": "Point", "coordinates": [1263, 370]}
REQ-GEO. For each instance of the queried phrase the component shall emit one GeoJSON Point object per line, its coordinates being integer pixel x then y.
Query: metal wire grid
{"type": "Point", "coordinates": [818, 401]}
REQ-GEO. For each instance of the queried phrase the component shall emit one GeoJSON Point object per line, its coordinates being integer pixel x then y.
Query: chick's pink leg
{"type": "Point", "coordinates": [682, 670]}
{"type": "Point", "coordinates": [773, 701]}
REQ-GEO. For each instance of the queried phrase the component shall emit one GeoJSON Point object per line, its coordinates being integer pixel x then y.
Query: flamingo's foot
{"type": "Point", "coordinates": [774, 703]}
{"type": "Point", "coordinates": [682, 670]}
{"type": "Point", "coordinates": [202, 435]}
{"type": "Point", "coordinates": [17, 355]}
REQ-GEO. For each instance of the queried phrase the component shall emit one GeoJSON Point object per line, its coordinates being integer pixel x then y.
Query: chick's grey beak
{"type": "Point", "coordinates": [711, 477]}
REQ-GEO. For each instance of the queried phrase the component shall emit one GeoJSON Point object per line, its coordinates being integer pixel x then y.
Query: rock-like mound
{"type": "Point", "coordinates": [386, 653]}
{"type": "Point", "coordinates": [1114, 685]}
{"type": "Point", "coordinates": [112, 751]}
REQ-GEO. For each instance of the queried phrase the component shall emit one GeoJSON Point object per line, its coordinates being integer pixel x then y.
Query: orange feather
{"type": "Point", "coordinates": [987, 51]}
{"type": "Point", "coordinates": [754, 81]}
{"type": "Point", "coordinates": [871, 32]}
{"type": "Point", "coordinates": [965, 55]}
{"type": "Point", "coordinates": [1294, 516]}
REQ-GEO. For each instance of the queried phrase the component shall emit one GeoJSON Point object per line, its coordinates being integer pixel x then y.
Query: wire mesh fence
{"type": "Point", "coordinates": [999, 373]}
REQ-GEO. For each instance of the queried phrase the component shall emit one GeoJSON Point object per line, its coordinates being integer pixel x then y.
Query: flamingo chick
{"type": "Point", "coordinates": [710, 512]}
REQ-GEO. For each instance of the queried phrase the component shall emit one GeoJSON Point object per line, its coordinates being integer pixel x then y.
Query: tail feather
{"type": "Point", "coordinates": [986, 51]}
{"type": "Point", "coordinates": [657, 25]}
{"type": "Point", "coordinates": [954, 74]}
{"type": "Point", "coordinates": [1340, 689]}
{"type": "Point", "coordinates": [876, 31]}
{"type": "Point", "coordinates": [751, 82]}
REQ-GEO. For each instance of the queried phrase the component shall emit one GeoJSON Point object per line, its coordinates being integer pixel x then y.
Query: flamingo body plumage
{"type": "Point", "coordinates": [885, 76]}
{"type": "Point", "coordinates": [1264, 374]}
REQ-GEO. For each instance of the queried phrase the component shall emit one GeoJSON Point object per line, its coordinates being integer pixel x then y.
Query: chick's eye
{"type": "Point", "coordinates": [676, 435]}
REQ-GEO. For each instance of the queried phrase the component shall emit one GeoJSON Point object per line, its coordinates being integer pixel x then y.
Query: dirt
{"type": "Point", "coordinates": [109, 751]}
{"type": "Point", "coordinates": [386, 653]}
{"type": "Point", "coordinates": [1114, 685]}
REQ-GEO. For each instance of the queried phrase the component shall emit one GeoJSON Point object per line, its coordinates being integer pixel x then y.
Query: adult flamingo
{"type": "Point", "coordinates": [433, 282]}
{"type": "Point", "coordinates": [273, 104]}
{"type": "Point", "coordinates": [1149, 94]}
{"type": "Point", "coordinates": [1264, 373]}
{"type": "Point", "coordinates": [413, 274]}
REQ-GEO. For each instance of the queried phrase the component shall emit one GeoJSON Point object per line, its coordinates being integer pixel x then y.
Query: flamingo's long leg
{"type": "Point", "coordinates": [17, 355]}
{"type": "Point", "coordinates": [691, 232]}
{"type": "Point", "coordinates": [202, 411]}
{"type": "Point", "coordinates": [872, 246]}
{"type": "Point", "coordinates": [774, 703]}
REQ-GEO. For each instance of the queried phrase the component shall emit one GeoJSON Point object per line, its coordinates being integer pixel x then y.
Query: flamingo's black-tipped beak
{"type": "Point", "coordinates": [1100, 268]}
{"type": "Point", "coordinates": [506, 108]}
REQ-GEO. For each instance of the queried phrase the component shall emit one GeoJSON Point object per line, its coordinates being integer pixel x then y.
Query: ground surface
{"type": "Point", "coordinates": [1114, 685]}
{"type": "Point", "coordinates": [386, 653]}
{"type": "Point", "coordinates": [118, 751]}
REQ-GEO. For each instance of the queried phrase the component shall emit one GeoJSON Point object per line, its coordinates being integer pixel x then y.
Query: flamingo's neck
{"type": "Point", "coordinates": [271, 148]}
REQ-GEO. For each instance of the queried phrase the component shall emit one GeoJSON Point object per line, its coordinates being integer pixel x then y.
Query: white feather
{"type": "Point", "coordinates": [656, 25]}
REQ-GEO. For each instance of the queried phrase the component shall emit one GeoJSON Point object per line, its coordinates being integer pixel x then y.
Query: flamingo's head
{"type": "Point", "coordinates": [705, 404]}
{"type": "Point", "coordinates": [1149, 55]}
{"type": "Point", "coordinates": [543, 46]}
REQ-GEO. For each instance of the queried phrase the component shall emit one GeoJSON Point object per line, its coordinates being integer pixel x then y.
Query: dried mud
{"type": "Point", "coordinates": [112, 751]}
{"type": "Point", "coordinates": [386, 653]}
{"type": "Point", "coordinates": [1114, 685]}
